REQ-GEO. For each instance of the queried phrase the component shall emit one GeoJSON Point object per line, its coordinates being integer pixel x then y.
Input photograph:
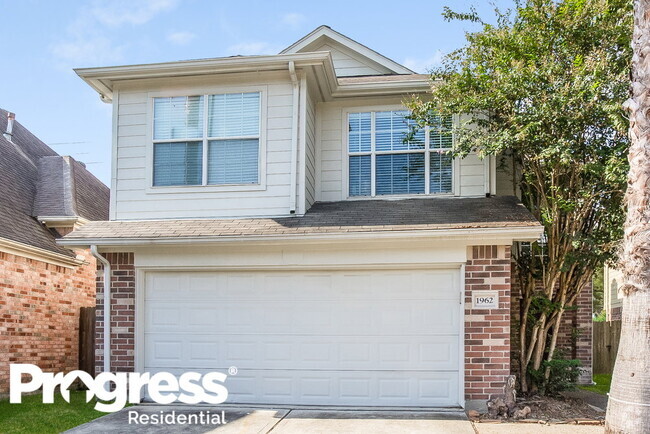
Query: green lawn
{"type": "Point", "coordinates": [32, 416]}
{"type": "Point", "coordinates": [602, 384]}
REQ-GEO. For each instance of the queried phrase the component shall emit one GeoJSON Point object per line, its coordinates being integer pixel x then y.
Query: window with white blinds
{"type": "Point", "coordinates": [385, 158]}
{"type": "Point", "coordinates": [207, 139]}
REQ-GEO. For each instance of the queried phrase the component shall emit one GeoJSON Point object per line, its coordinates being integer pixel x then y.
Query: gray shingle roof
{"type": "Point", "coordinates": [330, 217]}
{"type": "Point", "coordinates": [66, 188]}
{"type": "Point", "coordinates": [31, 183]}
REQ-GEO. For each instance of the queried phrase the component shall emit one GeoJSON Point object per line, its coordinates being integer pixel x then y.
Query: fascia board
{"type": "Point", "coordinates": [38, 254]}
{"type": "Point", "coordinates": [504, 235]}
{"type": "Point", "coordinates": [101, 79]}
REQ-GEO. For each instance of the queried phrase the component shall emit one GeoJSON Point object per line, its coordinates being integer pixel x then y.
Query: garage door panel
{"type": "Point", "coordinates": [376, 285]}
{"type": "Point", "coordinates": [389, 388]}
{"type": "Point", "coordinates": [366, 337]}
{"type": "Point", "coordinates": [305, 352]}
{"type": "Point", "coordinates": [302, 317]}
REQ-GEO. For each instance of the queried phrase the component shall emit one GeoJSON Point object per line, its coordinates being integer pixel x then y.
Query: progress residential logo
{"type": "Point", "coordinates": [114, 390]}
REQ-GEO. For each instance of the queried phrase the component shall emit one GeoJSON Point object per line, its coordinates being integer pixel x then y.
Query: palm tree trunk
{"type": "Point", "coordinates": [628, 410]}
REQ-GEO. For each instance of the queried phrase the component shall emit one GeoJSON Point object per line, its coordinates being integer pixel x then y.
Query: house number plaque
{"type": "Point", "coordinates": [485, 299]}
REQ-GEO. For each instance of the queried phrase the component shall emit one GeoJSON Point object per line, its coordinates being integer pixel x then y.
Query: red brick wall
{"type": "Point", "coordinates": [122, 314]}
{"type": "Point", "coordinates": [487, 331]}
{"type": "Point", "coordinates": [39, 312]}
{"type": "Point", "coordinates": [575, 336]}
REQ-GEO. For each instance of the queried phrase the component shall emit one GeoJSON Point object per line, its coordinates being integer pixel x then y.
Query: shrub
{"type": "Point", "coordinates": [563, 375]}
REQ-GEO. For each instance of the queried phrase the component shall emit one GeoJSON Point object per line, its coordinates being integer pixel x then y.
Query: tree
{"type": "Point", "coordinates": [628, 408]}
{"type": "Point", "coordinates": [543, 88]}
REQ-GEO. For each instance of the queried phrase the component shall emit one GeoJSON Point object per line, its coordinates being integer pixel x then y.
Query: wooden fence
{"type": "Point", "coordinates": [87, 340]}
{"type": "Point", "coordinates": [605, 345]}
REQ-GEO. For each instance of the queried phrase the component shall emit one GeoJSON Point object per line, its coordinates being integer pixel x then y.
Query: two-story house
{"type": "Point", "coordinates": [268, 214]}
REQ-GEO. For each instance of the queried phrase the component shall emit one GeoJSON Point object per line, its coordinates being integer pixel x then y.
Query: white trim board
{"type": "Point", "coordinates": [480, 236]}
{"type": "Point", "coordinates": [324, 34]}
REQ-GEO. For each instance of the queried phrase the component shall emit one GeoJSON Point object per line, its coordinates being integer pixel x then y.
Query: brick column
{"type": "Point", "coordinates": [487, 331]}
{"type": "Point", "coordinates": [576, 330]}
{"type": "Point", "coordinates": [122, 314]}
{"type": "Point", "coordinates": [583, 324]}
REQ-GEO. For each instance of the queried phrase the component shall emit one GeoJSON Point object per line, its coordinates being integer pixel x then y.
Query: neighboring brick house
{"type": "Point", "coordinates": [42, 285]}
{"type": "Point", "coordinates": [267, 213]}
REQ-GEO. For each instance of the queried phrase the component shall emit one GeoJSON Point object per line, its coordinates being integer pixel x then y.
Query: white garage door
{"type": "Point", "coordinates": [370, 338]}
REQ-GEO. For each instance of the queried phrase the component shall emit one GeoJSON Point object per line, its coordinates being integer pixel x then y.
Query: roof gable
{"type": "Point", "coordinates": [350, 57]}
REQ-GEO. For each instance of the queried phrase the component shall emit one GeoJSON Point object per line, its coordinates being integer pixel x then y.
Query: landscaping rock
{"type": "Point", "coordinates": [522, 413]}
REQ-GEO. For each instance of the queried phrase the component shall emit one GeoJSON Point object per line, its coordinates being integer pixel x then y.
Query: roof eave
{"type": "Point", "coordinates": [102, 79]}
{"type": "Point", "coordinates": [385, 88]}
{"type": "Point", "coordinates": [36, 253]}
{"type": "Point", "coordinates": [503, 234]}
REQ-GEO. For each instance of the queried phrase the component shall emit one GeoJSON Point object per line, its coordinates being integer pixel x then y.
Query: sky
{"type": "Point", "coordinates": [44, 40]}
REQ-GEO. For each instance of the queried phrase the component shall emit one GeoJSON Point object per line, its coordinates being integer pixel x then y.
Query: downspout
{"type": "Point", "coordinates": [294, 138]}
{"type": "Point", "coordinates": [107, 306]}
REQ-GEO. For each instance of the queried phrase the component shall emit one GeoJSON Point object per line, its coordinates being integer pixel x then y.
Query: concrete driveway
{"type": "Point", "coordinates": [306, 420]}
{"type": "Point", "coordinates": [279, 421]}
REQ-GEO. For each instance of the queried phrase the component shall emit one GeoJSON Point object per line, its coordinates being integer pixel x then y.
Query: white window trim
{"type": "Point", "coordinates": [373, 153]}
{"type": "Point", "coordinates": [207, 188]}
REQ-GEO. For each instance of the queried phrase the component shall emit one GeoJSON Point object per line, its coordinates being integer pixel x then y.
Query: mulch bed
{"type": "Point", "coordinates": [544, 409]}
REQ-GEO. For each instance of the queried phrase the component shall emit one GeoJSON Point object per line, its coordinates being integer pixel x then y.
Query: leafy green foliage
{"type": "Point", "coordinates": [601, 316]}
{"type": "Point", "coordinates": [563, 375]}
{"type": "Point", "coordinates": [598, 290]}
{"type": "Point", "coordinates": [543, 89]}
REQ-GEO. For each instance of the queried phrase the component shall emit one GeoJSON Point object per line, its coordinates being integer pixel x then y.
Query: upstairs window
{"type": "Point", "coordinates": [206, 140]}
{"type": "Point", "coordinates": [384, 160]}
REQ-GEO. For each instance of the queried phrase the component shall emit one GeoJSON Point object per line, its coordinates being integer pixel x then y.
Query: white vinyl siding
{"type": "Point", "coordinates": [348, 63]}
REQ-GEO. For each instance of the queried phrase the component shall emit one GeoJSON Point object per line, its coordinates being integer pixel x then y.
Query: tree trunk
{"type": "Point", "coordinates": [551, 347]}
{"type": "Point", "coordinates": [628, 410]}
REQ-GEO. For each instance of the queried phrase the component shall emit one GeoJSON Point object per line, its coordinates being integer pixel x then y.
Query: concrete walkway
{"type": "Point", "coordinates": [589, 397]}
{"type": "Point", "coordinates": [305, 420]}
{"type": "Point", "coordinates": [279, 421]}
{"type": "Point", "coordinates": [526, 428]}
